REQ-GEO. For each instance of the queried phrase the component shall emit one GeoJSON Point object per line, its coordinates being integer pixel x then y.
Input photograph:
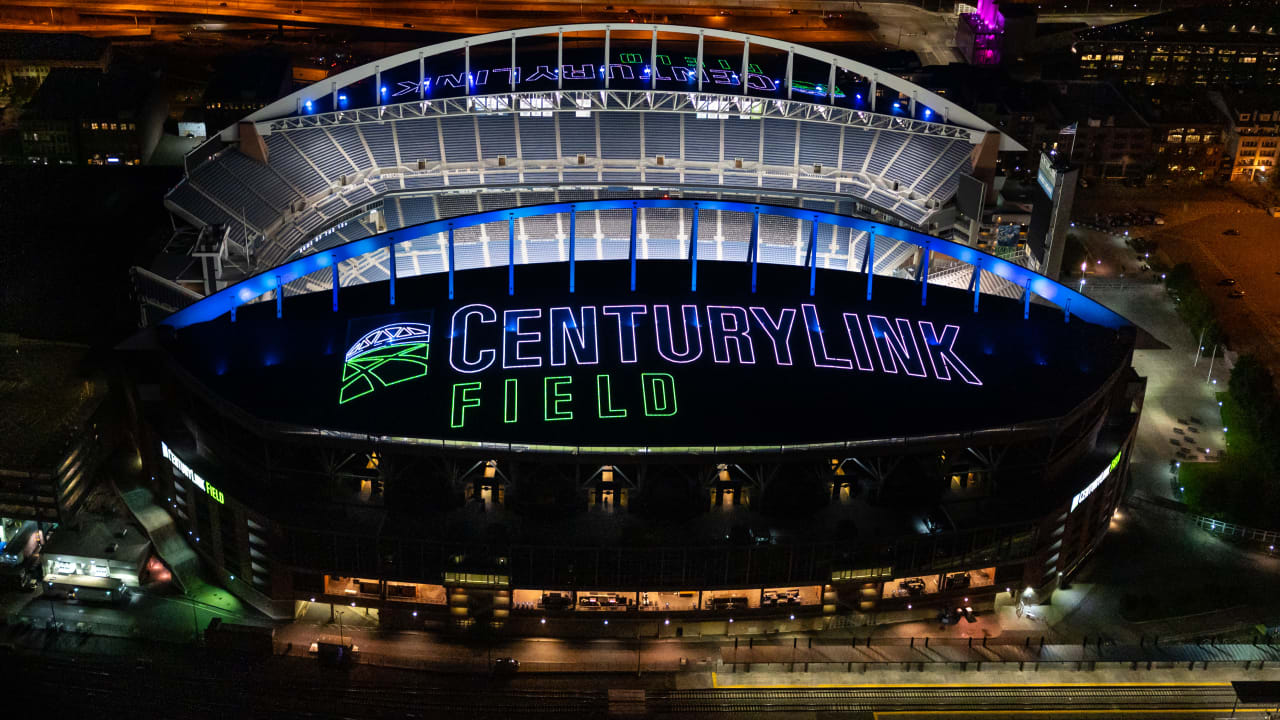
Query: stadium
{"type": "Point", "coordinates": [633, 322]}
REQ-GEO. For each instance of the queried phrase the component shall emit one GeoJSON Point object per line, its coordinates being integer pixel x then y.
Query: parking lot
{"type": "Point", "coordinates": [1223, 236]}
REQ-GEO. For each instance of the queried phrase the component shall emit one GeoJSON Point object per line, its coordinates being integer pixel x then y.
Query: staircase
{"type": "Point", "coordinates": [168, 542]}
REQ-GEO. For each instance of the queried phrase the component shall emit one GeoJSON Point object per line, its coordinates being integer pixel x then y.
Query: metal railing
{"type": "Point", "coordinates": [1218, 527]}
{"type": "Point", "coordinates": [1032, 283]}
{"type": "Point", "coordinates": [1231, 530]}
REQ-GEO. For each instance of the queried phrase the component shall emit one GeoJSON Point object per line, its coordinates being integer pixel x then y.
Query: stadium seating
{"type": "Point", "coordinates": [316, 174]}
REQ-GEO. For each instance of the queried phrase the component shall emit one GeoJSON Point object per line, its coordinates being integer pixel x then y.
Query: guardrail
{"type": "Point", "coordinates": [1226, 529]}
{"type": "Point", "coordinates": [1221, 528]}
{"type": "Point", "coordinates": [977, 654]}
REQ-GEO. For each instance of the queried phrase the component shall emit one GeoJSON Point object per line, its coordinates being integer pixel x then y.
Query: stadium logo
{"type": "Point", "coordinates": [385, 356]}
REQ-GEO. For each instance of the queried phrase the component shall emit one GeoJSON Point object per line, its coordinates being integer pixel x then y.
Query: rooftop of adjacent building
{"type": "Point", "coordinates": [261, 75]}
{"type": "Point", "coordinates": [1236, 22]}
{"type": "Point", "coordinates": [1250, 108]}
{"type": "Point", "coordinates": [46, 394]}
{"type": "Point", "coordinates": [51, 46]}
{"type": "Point", "coordinates": [99, 536]}
{"type": "Point", "coordinates": [1175, 105]}
{"type": "Point", "coordinates": [74, 93]}
{"type": "Point", "coordinates": [994, 94]}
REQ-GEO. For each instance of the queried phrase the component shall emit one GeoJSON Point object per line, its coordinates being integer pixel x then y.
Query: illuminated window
{"type": "Point", "coordinates": [1248, 60]}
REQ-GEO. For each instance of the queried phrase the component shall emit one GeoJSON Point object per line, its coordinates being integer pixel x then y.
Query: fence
{"type": "Point", "coordinates": [1220, 528]}
{"type": "Point", "coordinates": [1231, 530]}
{"type": "Point", "coordinates": [954, 654]}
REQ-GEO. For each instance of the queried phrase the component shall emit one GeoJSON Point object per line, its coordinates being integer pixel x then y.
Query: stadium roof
{"type": "Point", "coordinates": [950, 112]}
{"type": "Point", "coordinates": [265, 284]}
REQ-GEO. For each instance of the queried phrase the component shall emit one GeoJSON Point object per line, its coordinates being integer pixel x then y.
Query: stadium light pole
{"type": "Point", "coordinates": [450, 261]}
{"type": "Point", "coordinates": [813, 255]}
{"type": "Point", "coordinates": [573, 237]}
{"type": "Point", "coordinates": [693, 252]}
{"type": "Point", "coordinates": [869, 260]}
{"type": "Point", "coordinates": [632, 252]}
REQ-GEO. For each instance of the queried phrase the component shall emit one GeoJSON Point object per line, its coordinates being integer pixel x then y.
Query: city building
{"type": "Point", "coordinates": [836, 411]}
{"type": "Point", "coordinates": [1188, 132]}
{"type": "Point", "coordinates": [83, 116]}
{"type": "Point", "coordinates": [1103, 135]}
{"type": "Point", "coordinates": [1253, 133]}
{"type": "Point", "coordinates": [995, 34]}
{"type": "Point", "coordinates": [54, 433]}
{"type": "Point", "coordinates": [95, 546]}
{"type": "Point", "coordinates": [26, 58]}
{"type": "Point", "coordinates": [1236, 45]}
{"type": "Point", "coordinates": [1088, 124]}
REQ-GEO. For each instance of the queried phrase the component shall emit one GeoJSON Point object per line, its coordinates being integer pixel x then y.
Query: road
{"type": "Point", "coordinates": [872, 25]}
{"type": "Point", "coordinates": [813, 21]}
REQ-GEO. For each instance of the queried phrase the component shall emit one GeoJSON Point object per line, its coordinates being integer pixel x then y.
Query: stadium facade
{"type": "Point", "coordinates": [682, 344]}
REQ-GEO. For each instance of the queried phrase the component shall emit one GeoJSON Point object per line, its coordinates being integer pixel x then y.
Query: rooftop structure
{"type": "Point", "coordinates": [26, 58]}
{"type": "Point", "coordinates": [1234, 45]}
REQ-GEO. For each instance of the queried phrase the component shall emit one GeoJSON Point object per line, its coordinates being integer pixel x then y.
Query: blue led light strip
{"type": "Point", "coordinates": [218, 304]}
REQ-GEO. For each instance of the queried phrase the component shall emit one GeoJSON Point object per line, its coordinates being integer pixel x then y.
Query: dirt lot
{"type": "Point", "coordinates": [1195, 223]}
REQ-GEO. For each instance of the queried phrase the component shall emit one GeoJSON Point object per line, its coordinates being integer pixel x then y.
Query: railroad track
{"type": "Point", "coordinates": [853, 699]}
{"type": "Point", "coordinates": [68, 685]}
{"type": "Point", "coordinates": [71, 686]}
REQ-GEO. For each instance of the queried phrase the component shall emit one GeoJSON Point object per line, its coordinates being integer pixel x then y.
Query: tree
{"type": "Point", "coordinates": [1253, 390]}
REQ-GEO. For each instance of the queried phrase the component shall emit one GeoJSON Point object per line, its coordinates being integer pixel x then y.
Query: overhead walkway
{"type": "Point", "coordinates": [168, 542]}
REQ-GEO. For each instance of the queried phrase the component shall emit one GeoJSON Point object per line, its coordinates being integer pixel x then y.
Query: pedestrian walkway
{"type": "Point", "coordinates": [165, 537]}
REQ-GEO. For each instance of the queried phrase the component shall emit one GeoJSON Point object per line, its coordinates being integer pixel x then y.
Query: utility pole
{"type": "Point", "coordinates": [1200, 346]}
{"type": "Point", "coordinates": [1212, 355]}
